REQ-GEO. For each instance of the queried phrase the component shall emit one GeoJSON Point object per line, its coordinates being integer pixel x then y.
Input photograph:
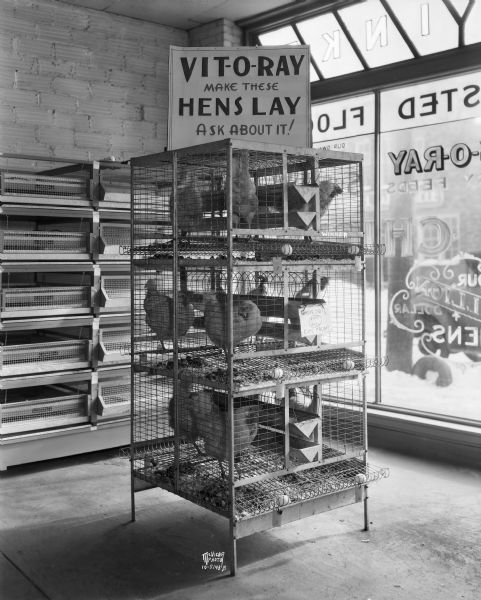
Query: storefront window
{"type": "Point", "coordinates": [431, 225]}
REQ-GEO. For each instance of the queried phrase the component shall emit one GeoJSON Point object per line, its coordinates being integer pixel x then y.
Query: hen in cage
{"type": "Point", "coordinates": [159, 313]}
{"type": "Point", "coordinates": [328, 190]}
{"type": "Point", "coordinates": [190, 211]}
{"type": "Point", "coordinates": [246, 319]}
{"type": "Point", "coordinates": [188, 422]}
{"type": "Point", "coordinates": [244, 197]}
{"type": "Point", "coordinates": [210, 412]}
{"type": "Point", "coordinates": [261, 287]}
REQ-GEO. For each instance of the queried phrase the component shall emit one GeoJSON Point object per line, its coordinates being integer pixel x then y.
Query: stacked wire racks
{"type": "Point", "coordinates": [64, 306]}
{"type": "Point", "coordinates": [248, 347]}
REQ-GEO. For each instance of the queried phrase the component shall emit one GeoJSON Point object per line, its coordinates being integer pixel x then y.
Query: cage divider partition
{"type": "Point", "coordinates": [248, 351]}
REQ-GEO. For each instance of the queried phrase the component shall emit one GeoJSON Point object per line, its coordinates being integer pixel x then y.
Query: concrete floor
{"type": "Point", "coordinates": [66, 534]}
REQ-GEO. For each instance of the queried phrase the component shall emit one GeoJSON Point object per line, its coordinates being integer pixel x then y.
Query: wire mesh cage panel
{"type": "Point", "coordinates": [115, 188]}
{"type": "Point", "coordinates": [115, 292]}
{"type": "Point", "coordinates": [41, 408]}
{"type": "Point", "coordinates": [114, 238]}
{"type": "Point", "coordinates": [35, 300]}
{"type": "Point", "coordinates": [37, 243]}
{"type": "Point", "coordinates": [33, 354]}
{"type": "Point", "coordinates": [113, 399]}
{"type": "Point", "coordinates": [114, 344]}
{"type": "Point", "coordinates": [45, 289]}
{"type": "Point", "coordinates": [49, 189]}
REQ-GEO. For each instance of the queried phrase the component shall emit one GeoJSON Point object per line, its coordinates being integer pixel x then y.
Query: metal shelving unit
{"type": "Point", "coordinates": [248, 353]}
{"type": "Point", "coordinates": [64, 299]}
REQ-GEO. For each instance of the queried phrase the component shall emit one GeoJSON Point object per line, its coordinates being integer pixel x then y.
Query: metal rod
{"type": "Point", "coordinates": [377, 240]}
{"type": "Point", "coordinates": [366, 515]}
{"type": "Point", "coordinates": [132, 350]}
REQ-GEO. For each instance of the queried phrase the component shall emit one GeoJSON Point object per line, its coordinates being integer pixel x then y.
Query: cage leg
{"type": "Point", "coordinates": [233, 556]}
{"type": "Point", "coordinates": [132, 498]}
{"type": "Point", "coordinates": [366, 513]}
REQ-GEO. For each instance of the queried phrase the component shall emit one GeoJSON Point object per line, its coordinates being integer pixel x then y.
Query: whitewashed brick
{"type": "Point", "coordinates": [140, 65]}
{"type": "Point", "coordinates": [71, 87]}
{"type": "Point", "coordinates": [13, 25]}
{"type": "Point", "coordinates": [10, 60]}
{"type": "Point", "coordinates": [12, 97]}
{"type": "Point", "coordinates": [70, 52]}
{"type": "Point", "coordinates": [32, 47]}
{"type": "Point", "coordinates": [53, 33]}
{"type": "Point", "coordinates": [7, 77]}
{"type": "Point", "coordinates": [72, 152]}
{"type": "Point", "coordinates": [32, 115]}
{"type": "Point", "coordinates": [90, 40]}
{"type": "Point", "coordinates": [92, 141]}
{"type": "Point", "coordinates": [6, 45]}
{"type": "Point", "coordinates": [94, 107]}
{"type": "Point", "coordinates": [62, 103]}
{"type": "Point", "coordinates": [126, 79]}
{"type": "Point", "coordinates": [153, 113]}
{"type": "Point", "coordinates": [49, 66]}
{"type": "Point", "coordinates": [6, 113]}
{"type": "Point", "coordinates": [108, 125]}
{"type": "Point", "coordinates": [55, 136]}
{"type": "Point", "coordinates": [103, 60]}
{"type": "Point", "coordinates": [106, 91]}
{"type": "Point", "coordinates": [124, 143]}
{"type": "Point", "coordinates": [21, 134]}
{"type": "Point", "coordinates": [36, 83]}
{"type": "Point", "coordinates": [90, 73]}
{"type": "Point", "coordinates": [139, 95]}
{"type": "Point", "coordinates": [131, 112]}
{"type": "Point", "coordinates": [124, 47]}
{"type": "Point", "coordinates": [151, 51]}
{"type": "Point", "coordinates": [142, 128]}
{"type": "Point", "coordinates": [72, 121]}
{"type": "Point", "coordinates": [52, 12]}
{"type": "Point", "coordinates": [153, 145]}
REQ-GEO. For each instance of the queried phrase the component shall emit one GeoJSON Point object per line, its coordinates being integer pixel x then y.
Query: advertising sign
{"type": "Point", "coordinates": [451, 99]}
{"type": "Point", "coordinates": [343, 118]}
{"type": "Point", "coordinates": [259, 94]}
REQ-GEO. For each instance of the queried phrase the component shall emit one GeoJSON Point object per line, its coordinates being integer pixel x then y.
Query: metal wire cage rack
{"type": "Point", "coordinates": [247, 344]}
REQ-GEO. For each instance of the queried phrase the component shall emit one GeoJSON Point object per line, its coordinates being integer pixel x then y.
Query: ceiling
{"type": "Point", "coordinates": [184, 14]}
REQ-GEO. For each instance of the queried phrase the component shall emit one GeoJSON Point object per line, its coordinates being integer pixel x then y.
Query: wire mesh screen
{"type": "Point", "coordinates": [115, 291]}
{"type": "Point", "coordinates": [42, 413]}
{"type": "Point", "coordinates": [24, 184]}
{"type": "Point", "coordinates": [41, 298]}
{"type": "Point", "coordinates": [52, 242]}
{"type": "Point", "coordinates": [36, 354]}
{"type": "Point", "coordinates": [114, 237]}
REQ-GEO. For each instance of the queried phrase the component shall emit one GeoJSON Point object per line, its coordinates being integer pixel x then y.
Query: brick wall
{"type": "Point", "coordinates": [216, 33]}
{"type": "Point", "coordinates": [81, 83]}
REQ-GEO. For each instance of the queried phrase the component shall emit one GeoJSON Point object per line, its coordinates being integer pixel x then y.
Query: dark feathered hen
{"type": "Point", "coordinates": [210, 412]}
{"type": "Point", "coordinates": [246, 319]}
{"type": "Point", "coordinates": [187, 424]}
{"type": "Point", "coordinates": [159, 313]}
{"type": "Point", "coordinates": [328, 190]}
